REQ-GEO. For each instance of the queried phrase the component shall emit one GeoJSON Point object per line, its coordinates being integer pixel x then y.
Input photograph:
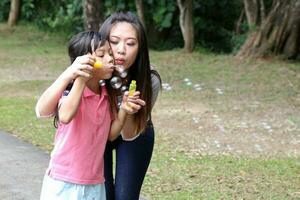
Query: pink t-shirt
{"type": "Point", "coordinates": [77, 156]}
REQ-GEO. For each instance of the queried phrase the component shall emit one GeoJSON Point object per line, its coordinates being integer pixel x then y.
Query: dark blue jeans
{"type": "Point", "coordinates": [132, 161]}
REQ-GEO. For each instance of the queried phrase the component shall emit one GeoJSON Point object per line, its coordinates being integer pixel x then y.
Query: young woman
{"type": "Point", "coordinates": [134, 144]}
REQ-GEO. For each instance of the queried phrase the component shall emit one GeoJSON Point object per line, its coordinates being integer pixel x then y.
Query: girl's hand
{"type": "Point", "coordinates": [132, 104]}
{"type": "Point", "coordinates": [81, 67]}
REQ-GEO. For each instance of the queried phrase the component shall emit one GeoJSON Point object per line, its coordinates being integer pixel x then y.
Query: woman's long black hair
{"type": "Point", "coordinates": [140, 70]}
{"type": "Point", "coordinates": [81, 44]}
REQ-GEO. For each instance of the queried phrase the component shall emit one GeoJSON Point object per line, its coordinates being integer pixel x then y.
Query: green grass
{"type": "Point", "coordinates": [19, 119]}
{"type": "Point", "coordinates": [30, 60]}
{"type": "Point", "coordinates": [221, 177]}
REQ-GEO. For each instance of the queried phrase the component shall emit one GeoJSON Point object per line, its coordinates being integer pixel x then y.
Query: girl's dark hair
{"type": "Point", "coordinates": [81, 44]}
{"type": "Point", "coordinates": [140, 70]}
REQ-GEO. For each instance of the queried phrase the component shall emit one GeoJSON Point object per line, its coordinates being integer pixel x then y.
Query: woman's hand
{"type": "Point", "coordinates": [132, 104]}
{"type": "Point", "coordinates": [81, 67]}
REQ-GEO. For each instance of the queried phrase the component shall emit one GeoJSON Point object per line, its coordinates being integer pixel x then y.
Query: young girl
{"type": "Point", "coordinates": [84, 116]}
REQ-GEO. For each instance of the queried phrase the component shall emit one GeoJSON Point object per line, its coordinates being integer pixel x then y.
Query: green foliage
{"type": "Point", "coordinates": [28, 10]}
{"type": "Point", "coordinates": [162, 21]}
{"type": "Point", "coordinates": [4, 11]}
{"type": "Point", "coordinates": [164, 14]}
{"type": "Point", "coordinates": [237, 41]}
{"type": "Point", "coordinates": [114, 5]}
{"type": "Point", "coordinates": [67, 17]}
{"type": "Point", "coordinates": [214, 23]}
{"type": "Point", "coordinates": [214, 20]}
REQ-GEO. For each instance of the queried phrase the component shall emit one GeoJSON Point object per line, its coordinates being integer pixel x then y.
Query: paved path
{"type": "Point", "coordinates": [22, 167]}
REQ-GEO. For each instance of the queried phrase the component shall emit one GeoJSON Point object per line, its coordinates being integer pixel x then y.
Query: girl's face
{"type": "Point", "coordinates": [124, 43]}
{"type": "Point", "coordinates": [104, 54]}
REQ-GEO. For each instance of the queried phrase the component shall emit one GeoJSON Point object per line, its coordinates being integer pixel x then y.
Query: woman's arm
{"type": "Point", "coordinates": [48, 101]}
{"type": "Point", "coordinates": [130, 128]}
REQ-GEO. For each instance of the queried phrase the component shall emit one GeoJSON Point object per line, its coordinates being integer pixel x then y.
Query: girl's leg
{"type": "Point", "coordinates": [108, 172]}
{"type": "Point", "coordinates": [132, 161]}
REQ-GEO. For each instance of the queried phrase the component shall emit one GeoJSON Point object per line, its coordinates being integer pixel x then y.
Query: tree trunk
{"type": "Point", "coordinates": [14, 12]}
{"type": "Point", "coordinates": [140, 11]}
{"type": "Point", "coordinates": [186, 23]}
{"type": "Point", "coordinates": [279, 32]}
{"type": "Point", "coordinates": [252, 12]}
{"type": "Point", "coordinates": [93, 17]}
{"type": "Point", "coordinates": [238, 28]}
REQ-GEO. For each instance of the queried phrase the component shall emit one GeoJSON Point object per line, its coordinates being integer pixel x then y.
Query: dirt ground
{"type": "Point", "coordinates": [199, 129]}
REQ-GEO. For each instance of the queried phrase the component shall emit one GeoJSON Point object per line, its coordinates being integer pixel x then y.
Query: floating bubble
{"type": "Point", "coordinates": [102, 83]}
{"type": "Point", "coordinates": [120, 68]}
{"type": "Point", "coordinates": [258, 147]}
{"type": "Point", "coordinates": [219, 91]}
{"type": "Point", "coordinates": [268, 127]}
{"type": "Point", "coordinates": [198, 88]}
{"type": "Point", "coordinates": [123, 88]}
{"type": "Point", "coordinates": [196, 120]}
{"type": "Point", "coordinates": [204, 145]}
{"type": "Point", "coordinates": [221, 128]}
{"type": "Point", "coordinates": [123, 74]}
{"type": "Point", "coordinates": [166, 86]}
{"type": "Point", "coordinates": [115, 82]}
{"type": "Point", "coordinates": [186, 80]}
{"type": "Point", "coordinates": [229, 147]}
{"type": "Point", "coordinates": [244, 125]}
{"type": "Point", "coordinates": [215, 116]}
{"type": "Point", "coordinates": [216, 142]}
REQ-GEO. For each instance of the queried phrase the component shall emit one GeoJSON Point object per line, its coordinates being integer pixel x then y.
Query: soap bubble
{"type": "Point", "coordinates": [102, 83]}
{"type": "Point", "coordinates": [186, 80]}
{"type": "Point", "coordinates": [166, 86]}
{"type": "Point", "coordinates": [123, 88]}
{"type": "Point", "coordinates": [189, 83]}
{"type": "Point", "coordinates": [120, 68]}
{"type": "Point", "coordinates": [115, 82]}
{"type": "Point", "coordinates": [219, 91]}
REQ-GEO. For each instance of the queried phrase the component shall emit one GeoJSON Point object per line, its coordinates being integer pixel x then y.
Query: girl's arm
{"type": "Point", "coordinates": [70, 104]}
{"type": "Point", "coordinates": [117, 125]}
{"type": "Point", "coordinates": [48, 101]}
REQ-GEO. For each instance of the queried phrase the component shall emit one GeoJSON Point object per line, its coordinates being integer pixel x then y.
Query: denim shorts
{"type": "Point", "coordinates": [59, 190]}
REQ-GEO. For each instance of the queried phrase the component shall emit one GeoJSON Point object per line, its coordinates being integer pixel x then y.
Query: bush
{"type": "Point", "coordinates": [4, 11]}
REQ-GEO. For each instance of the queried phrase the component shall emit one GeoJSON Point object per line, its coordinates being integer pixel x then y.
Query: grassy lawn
{"type": "Point", "coordinates": [235, 137]}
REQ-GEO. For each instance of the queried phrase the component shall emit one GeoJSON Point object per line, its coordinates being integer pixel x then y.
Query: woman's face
{"type": "Point", "coordinates": [124, 43]}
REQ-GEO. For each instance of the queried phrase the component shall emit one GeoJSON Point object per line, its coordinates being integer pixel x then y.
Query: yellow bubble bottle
{"type": "Point", "coordinates": [132, 87]}
{"type": "Point", "coordinates": [98, 64]}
